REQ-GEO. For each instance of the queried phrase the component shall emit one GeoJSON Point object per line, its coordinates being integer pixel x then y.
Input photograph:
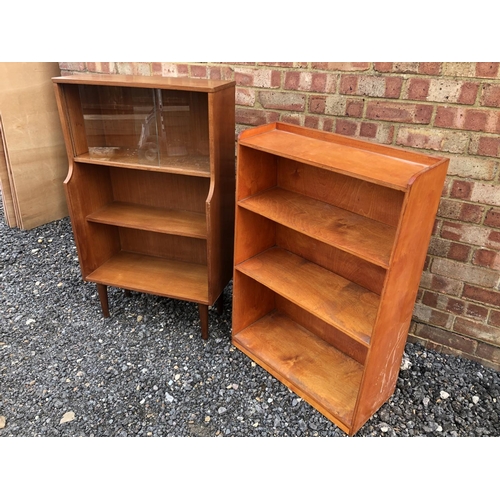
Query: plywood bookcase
{"type": "Point", "coordinates": [150, 186]}
{"type": "Point", "coordinates": [330, 242]}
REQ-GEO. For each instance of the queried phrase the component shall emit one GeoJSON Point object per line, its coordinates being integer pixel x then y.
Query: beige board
{"type": "Point", "coordinates": [33, 160]}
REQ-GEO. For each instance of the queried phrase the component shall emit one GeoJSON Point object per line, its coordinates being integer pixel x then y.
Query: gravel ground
{"type": "Point", "coordinates": [145, 371]}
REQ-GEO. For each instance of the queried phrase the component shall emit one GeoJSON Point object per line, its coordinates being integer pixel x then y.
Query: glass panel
{"type": "Point", "coordinates": [147, 126]}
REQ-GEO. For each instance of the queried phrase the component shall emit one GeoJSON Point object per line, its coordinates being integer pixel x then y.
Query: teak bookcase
{"type": "Point", "coordinates": [150, 187]}
{"type": "Point", "coordinates": [331, 237]}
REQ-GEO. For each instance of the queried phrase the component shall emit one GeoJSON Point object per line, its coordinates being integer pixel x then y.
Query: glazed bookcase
{"type": "Point", "coordinates": [331, 237]}
{"type": "Point", "coordinates": [150, 186]}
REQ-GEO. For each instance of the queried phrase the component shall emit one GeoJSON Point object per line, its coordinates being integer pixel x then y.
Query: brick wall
{"type": "Point", "coordinates": [449, 109]}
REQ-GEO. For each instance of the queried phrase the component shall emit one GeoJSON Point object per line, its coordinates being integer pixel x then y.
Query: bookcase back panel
{"type": "Point", "coordinates": [256, 301]}
{"type": "Point", "coordinates": [159, 189]}
{"type": "Point", "coordinates": [370, 200]}
{"type": "Point", "coordinates": [248, 225]}
{"type": "Point", "coordinates": [323, 330]}
{"type": "Point", "coordinates": [164, 245]}
{"type": "Point", "coordinates": [349, 266]}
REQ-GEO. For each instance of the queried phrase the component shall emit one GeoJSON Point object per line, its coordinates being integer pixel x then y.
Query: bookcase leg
{"type": "Point", "coordinates": [127, 293]}
{"type": "Point", "coordinates": [219, 304]}
{"type": "Point", "coordinates": [103, 297]}
{"type": "Point", "coordinates": [203, 310]}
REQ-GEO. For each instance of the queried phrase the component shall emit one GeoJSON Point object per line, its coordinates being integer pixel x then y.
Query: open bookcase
{"type": "Point", "coordinates": [150, 186]}
{"type": "Point", "coordinates": [331, 237]}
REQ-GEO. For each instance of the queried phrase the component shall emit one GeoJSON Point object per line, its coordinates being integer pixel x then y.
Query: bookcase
{"type": "Point", "coordinates": [331, 236]}
{"type": "Point", "coordinates": [150, 185]}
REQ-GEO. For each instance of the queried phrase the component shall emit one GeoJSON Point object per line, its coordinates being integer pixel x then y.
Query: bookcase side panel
{"type": "Point", "coordinates": [399, 294]}
{"type": "Point", "coordinates": [88, 188]}
{"type": "Point", "coordinates": [256, 171]}
{"type": "Point", "coordinates": [220, 203]}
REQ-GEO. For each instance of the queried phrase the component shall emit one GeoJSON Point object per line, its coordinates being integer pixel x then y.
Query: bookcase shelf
{"type": "Point", "coordinates": [150, 185]}
{"type": "Point", "coordinates": [331, 236]}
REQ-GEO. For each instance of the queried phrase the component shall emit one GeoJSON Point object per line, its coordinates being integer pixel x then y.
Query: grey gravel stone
{"type": "Point", "coordinates": [121, 376]}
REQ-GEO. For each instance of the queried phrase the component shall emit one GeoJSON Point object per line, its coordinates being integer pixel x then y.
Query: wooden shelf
{"type": "Point", "coordinates": [343, 304]}
{"type": "Point", "coordinates": [143, 273]}
{"type": "Point", "coordinates": [315, 370]}
{"type": "Point", "coordinates": [355, 234]}
{"type": "Point", "coordinates": [182, 223]}
{"type": "Point", "coordinates": [196, 166]}
{"type": "Point", "coordinates": [372, 166]}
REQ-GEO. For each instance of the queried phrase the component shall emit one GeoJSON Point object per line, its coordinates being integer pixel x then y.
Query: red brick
{"type": "Point", "coordinates": [368, 130]}
{"type": "Point", "coordinates": [255, 116]}
{"type": "Point", "coordinates": [492, 218]}
{"type": "Point", "coordinates": [455, 306]}
{"type": "Point", "coordinates": [397, 112]}
{"type": "Point", "coordinates": [478, 312]}
{"type": "Point", "coordinates": [487, 70]}
{"type": "Point", "coordinates": [446, 117]}
{"type": "Point", "coordinates": [476, 120]}
{"type": "Point", "coordinates": [487, 258]}
{"type": "Point", "coordinates": [156, 68]}
{"type": "Point", "coordinates": [481, 295]}
{"type": "Point", "coordinates": [319, 122]}
{"type": "Point", "coordinates": [491, 95]}
{"type": "Point", "coordinates": [446, 338]}
{"type": "Point", "coordinates": [418, 89]}
{"type": "Point", "coordinates": [459, 252]}
{"type": "Point", "coordinates": [317, 104]}
{"type": "Point", "coordinates": [494, 238]}
{"type": "Point", "coordinates": [294, 119]}
{"type": "Point", "coordinates": [384, 67]}
{"type": "Point", "coordinates": [198, 71]}
{"type": "Point", "coordinates": [354, 108]}
{"type": "Point", "coordinates": [468, 93]}
{"type": "Point", "coordinates": [430, 299]}
{"type": "Point", "coordinates": [292, 80]}
{"type": "Point", "coordinates": [494, 319]}
{"type": "Point", "coordinates": [489, 146]}
{"type": "Point", "coordinates": [430, 68]}
{"type": "Point", "coordinates": [349, 84]}
{"type": "Point", "coordinates": [393, 86]}
{"type": "Point", "coordinates": [345, 127]}
{"type": "Point", "coordinates": [476, 330]}
{"type": "Point", "coordinates": [488, 355]}
{"type": "Point", "coordinates": [462, 189]}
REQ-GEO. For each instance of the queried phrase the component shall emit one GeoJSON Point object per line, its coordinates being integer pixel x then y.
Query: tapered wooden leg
{"type": "Point", "coordinates": [203, 310]}
{"type": "Point", "coordinates": [103, 297]}
{"type": "Point", "coordinates": [219, 304]}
